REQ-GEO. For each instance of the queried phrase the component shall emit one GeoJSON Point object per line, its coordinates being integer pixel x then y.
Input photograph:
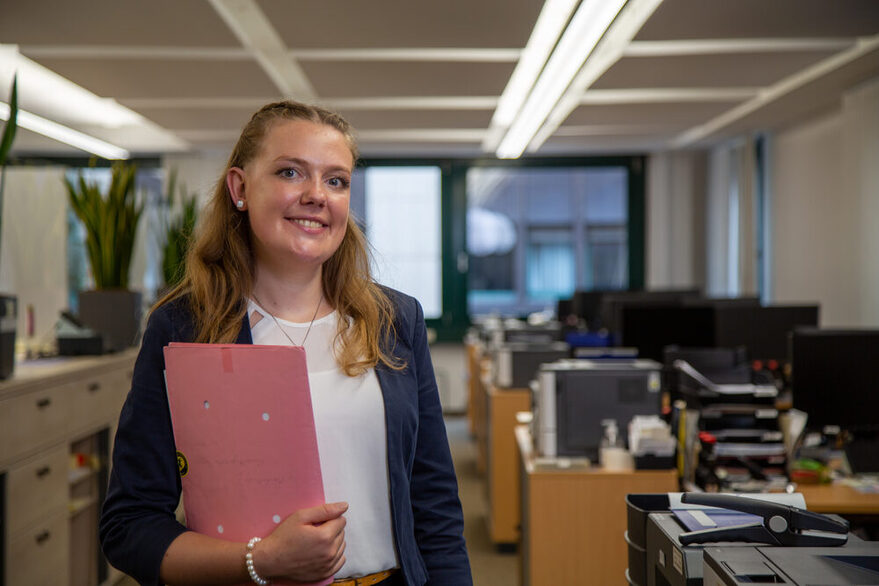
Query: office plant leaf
{"type": "Point", "coordinates": [177, 230]}
{"type": "Point", "coordinates": [177, 240]}
{"type": "Point", "coordinates": [11, 124]}
{"type": "Point", "coordinates": [110, 222]}
{"type": "Point", "coordinates": [6, 141]}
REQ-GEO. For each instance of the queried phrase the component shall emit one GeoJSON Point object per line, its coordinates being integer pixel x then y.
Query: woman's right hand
{"type": "Point", "coordinates": [307, 546]}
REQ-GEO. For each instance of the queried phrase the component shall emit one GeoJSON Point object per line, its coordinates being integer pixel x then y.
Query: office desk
{"type": "Point", "coordinates": [839, 498]}
{"type": "Point", "coordinates": [574, 520]}
{"type": "Point", "coordinates": [479, 375]}
{"type": "Point", "coordinates": [502, 462]}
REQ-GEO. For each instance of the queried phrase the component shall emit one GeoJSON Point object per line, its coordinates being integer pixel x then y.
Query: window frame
{"type": "Point", "coordinates": [455, 319]}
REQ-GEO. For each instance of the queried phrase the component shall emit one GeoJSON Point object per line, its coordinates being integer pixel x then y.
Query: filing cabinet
{"type": "Point", "coordinates": [56, 420]}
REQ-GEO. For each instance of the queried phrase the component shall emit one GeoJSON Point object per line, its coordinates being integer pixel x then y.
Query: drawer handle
{"type": "Point", "coordinates": [44, 471]}
{"type": "Point", "coordinates": [43, 537]}
{"type": "Point", "coordinates": [94, 387]}
{"type": "Point", "coordinates": [43, 403]}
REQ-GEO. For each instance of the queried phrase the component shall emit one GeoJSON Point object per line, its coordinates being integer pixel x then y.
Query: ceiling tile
{"type": "Point", "coordinates": [650, 114]}
{"type": "Point", "coordinates": [726, 19]}
{"type": "Point", "coordinates": [154, 78]}
{"type": "Point", "coordinates": [810, 99]}
{"type": "Point", "coordinates": [349, 79]}
{"type": "Point", "coordinates": [613, 144]}
{"type": "Point", "coordinates": [114, 22]}
{"type": "Point", "coordinates": [706, 71]}
{"type": "Point", "coordinates": [198, 118]}
{"type": "Point", "coordinates": [397, 119]}
{"type": "Point", "coordinates": [403, 23]}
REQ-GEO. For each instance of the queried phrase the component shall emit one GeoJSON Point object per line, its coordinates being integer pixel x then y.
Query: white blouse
{"type": "Point", "coordinates": [349, 416]}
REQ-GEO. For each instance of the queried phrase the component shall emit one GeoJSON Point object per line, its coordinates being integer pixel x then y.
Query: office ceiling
{"type": "Point", "coordinates": [424, 78]}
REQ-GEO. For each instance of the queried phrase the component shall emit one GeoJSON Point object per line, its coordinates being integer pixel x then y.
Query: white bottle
{"type": "Point", "coordinates": [612, 455]}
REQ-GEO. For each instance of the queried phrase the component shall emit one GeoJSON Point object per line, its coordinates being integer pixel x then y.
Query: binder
{"type": "Point", "coordinates": [245, 435]}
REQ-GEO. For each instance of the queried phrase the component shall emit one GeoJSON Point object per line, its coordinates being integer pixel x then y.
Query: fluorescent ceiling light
{"type": "Point", "coordinates": [579, 39]}
{"type": "Point", "coordinates": [550, 23]}
{"type": "Point", "coordinates": [57, 97]}
{"type": "Point", "coordinates": [64, 134]}
{"type": "Point", "coordinates": [607, 52]}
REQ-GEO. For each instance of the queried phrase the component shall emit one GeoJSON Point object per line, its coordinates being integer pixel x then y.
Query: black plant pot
{"type": "Point", "coordinates": [8, 319]}
{"type": "Point", "coordinates": [113, 313]}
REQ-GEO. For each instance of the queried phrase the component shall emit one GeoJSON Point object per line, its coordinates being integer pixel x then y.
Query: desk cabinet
{"type": "Point", "coordinates": [502, 462]}
{"type": "Point", "coordinates": [57, 417]}
{"type": "Point", "coordinates": [574, 520]}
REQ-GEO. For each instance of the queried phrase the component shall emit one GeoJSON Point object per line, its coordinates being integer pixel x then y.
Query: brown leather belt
{"type": "Point", "coordinates": [367, 580]}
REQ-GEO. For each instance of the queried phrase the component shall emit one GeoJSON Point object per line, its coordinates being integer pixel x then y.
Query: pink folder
{"type": "Point", "coordinates": [245, 436]}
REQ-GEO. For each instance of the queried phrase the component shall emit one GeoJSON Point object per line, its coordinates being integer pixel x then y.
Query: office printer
{"type": "Point", "coordinates": [677, 540]}
{"type": "Point", "coordinates": [572, 397]}
{"type": "Point", "coordinates": [515, 364]}
{"type": "Point", "coordinates": [513, 330]}
{"type": "Point", "coordinates": [855, 563]}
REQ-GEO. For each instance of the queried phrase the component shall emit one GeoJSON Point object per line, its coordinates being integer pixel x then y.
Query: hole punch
{"type": "Point", "coordinates": [779, 525]}
{"type": "Point", "coordinates": [265, 416]}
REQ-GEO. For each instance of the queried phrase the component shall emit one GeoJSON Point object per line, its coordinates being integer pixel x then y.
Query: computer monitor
{"type": "Point", "coordinates": [564, 308]}
{"type": "Point", "coordinates": [711, 323]}
{"type": "Point", "coordinates": [651, 327]}
{"type": "Point", "coordinates": [613, 304]}
{"type": "Point", "coordinates": [587, 306]}
{"type": "Point", "coordinates": [763, 331]}
{"type": "Point", "coordinates": [835, 377]}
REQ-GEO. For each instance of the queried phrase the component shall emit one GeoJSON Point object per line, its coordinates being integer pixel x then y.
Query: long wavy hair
{"type": "Point", "coordinates": [219, 271]}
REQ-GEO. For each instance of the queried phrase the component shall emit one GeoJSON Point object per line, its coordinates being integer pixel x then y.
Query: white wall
{"type": "Point", "coordinates": [33, 257]}
{"type": "Point", "coordinates": [450, 366]}
{"type": "Point", "coordinates": [199, 172]}
{"type": "Point", "coordinates": [675, 220]}
{"type": "Point", "coordinates": [861, 135]}
{"type": "Point", "coordinates": [814, 221]}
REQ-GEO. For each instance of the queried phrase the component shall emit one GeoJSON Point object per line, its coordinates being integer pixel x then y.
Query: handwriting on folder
{"type": "Point", "coordinates": [245, 435]}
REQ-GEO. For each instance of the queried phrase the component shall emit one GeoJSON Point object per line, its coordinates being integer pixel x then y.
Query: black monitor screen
{"type": "Point", "coordinates": [835, 377]}
{"type": "Point", "coordinates": [763, 331]}
{"type": "Point", "coordinates": [612, 305]}
{"type": "Point", "coordinates": [650, 328]}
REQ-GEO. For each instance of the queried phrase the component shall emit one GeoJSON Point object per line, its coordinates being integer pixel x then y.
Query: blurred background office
{"type": "Point", "coordinates": [515, 154]}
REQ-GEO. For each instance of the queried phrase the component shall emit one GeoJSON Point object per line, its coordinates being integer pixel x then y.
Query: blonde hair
{"type": "Point", "coordinates": [219, 264]}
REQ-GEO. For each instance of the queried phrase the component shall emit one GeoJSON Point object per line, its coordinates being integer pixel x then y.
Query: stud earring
{"type": "Point", "coordinates": [240, 204]}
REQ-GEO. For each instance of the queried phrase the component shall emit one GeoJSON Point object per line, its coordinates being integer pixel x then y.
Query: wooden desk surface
{"type": "Point", "coordinates": [839, 498]}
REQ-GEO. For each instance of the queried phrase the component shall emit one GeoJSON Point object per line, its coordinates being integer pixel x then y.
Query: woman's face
{"type": "Point", "coordinates": [296, 191]}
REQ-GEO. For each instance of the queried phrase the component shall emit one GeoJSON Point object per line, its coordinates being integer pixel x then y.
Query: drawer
{"type": "Point", "coordinates": [33, 419]}
{"type": "Point", "coordinates": [98, 399]}
{"type": "Point", "coordinates": [37, 487]}
{"type": "Point", "coordinates": [40, 555]}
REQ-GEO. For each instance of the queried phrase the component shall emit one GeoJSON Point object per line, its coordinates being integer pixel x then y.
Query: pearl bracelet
{"type": "Point", "coordinates": [248, 561]}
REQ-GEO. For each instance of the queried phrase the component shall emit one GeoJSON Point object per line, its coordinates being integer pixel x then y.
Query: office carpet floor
{"type": "Point", "coordinates": [490, 567]}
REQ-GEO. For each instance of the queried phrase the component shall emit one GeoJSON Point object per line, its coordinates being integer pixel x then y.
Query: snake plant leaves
{"type": "Point", "coordinates": [110, 222]}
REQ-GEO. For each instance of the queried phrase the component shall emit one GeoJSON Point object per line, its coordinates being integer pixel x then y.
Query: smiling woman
{"type": "Point", "coordinates": [296, 192]}
{"type": "Point", "coordinates": [277, 242]}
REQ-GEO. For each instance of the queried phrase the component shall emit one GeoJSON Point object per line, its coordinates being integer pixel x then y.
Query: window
{"type": "Point", "coordinates": [535, 235]}
{"type": "Point", "coordinates": [400, 211]}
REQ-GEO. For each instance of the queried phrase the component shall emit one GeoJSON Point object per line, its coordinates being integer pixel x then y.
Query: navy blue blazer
{"type": "Point", "coordinates": [138, 522]}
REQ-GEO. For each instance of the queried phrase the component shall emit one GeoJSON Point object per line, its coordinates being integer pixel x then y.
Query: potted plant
{"type": "Point", "coordinates": [8, 303]}
{"type": "Point", "coordinates": [110, 221]}
{"type": "Point", "coordinates": [178, 231]}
